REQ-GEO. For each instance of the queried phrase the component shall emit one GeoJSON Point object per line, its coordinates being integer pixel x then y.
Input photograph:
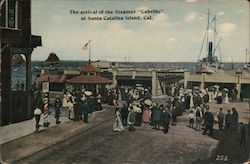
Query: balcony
{"type": "Point", "coordinates": [10, 35]}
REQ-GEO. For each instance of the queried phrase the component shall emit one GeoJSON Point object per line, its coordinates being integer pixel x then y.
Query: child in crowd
{"type": "Point", "coordinates": [191, 119]}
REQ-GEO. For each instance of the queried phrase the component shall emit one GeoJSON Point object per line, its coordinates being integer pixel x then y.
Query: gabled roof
{"type": "Point", "coordinates": [88, 68]}
{"type": "Point", "coordinates": [51, 78]}
{"type": "Point", "coordinates": [89, 80]}
{"type": "Point", "coordinates": [52, 59]}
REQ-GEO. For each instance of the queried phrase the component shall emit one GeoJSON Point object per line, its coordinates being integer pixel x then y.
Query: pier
{"type": "Point", "coordinates": [154, 78]}
{"type": "Point", "coordinates": [225, 79]}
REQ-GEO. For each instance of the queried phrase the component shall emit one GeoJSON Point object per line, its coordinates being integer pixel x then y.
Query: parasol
{"type": "Point", "coordinates": [139, 85]}
{"type": "Point", "coordinates": [140, 88]}
{"type": "Point", "coordinates": [87, 93]}
{"type": "Point", "coordinates": [225, 89]}
{"type": "Point", "coordinates": [216, 86]}
{"type": "Point", "coordinates": [111, 86]}
{"type": "Point", "coordinates": [148, 102]}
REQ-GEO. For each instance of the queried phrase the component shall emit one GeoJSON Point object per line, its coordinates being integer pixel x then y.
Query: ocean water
{"type": "Point", "coordinates": [18, 72]}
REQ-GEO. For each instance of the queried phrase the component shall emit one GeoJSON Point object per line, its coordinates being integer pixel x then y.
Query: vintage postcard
{"type": "Point", "coordinates": [122, 81]}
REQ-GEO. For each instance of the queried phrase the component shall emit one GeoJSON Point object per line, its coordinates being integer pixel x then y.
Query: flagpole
{"type": "Point", "coordinates": [89, 50]}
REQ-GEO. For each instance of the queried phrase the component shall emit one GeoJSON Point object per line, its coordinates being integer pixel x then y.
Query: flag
{"type": "Point", "coordinates": [85, 46]}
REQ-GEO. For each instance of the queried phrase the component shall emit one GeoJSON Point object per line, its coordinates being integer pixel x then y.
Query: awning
{"type": "Point", "coordinates": [89, 80]}
{"type": "Point", "coordinates": [51, 78]}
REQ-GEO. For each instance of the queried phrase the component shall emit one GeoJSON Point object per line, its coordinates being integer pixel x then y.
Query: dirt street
{"type": "Point", "coordinates": [145, 145]}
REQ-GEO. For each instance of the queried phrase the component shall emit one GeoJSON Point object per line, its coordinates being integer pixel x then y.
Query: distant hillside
{"type": "Point", "coordinates": [17, 59]}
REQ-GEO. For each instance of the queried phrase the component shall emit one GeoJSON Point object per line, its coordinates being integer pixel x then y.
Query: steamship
{"type": "Point", "coordinates": [210, 64]}
{"type": "Point", "coordinates": [210, 69]}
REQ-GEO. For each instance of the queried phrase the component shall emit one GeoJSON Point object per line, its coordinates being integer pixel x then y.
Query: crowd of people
{"type": "Point", "coordinates": [195, 103]}
{"type": "Point", "coordinates": [138, 109]}
{"type": "Point", "coordinates": [79, 105]}
{"type": "Point", "coordinates": [127, 93]}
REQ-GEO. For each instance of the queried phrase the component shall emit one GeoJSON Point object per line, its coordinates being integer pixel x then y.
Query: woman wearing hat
{"type": "Point", "coordinates": [70, 108]}
{"type": "Point", "coordinates": [146, 114]}
{"type": "Point", "coordinates": [117, 126]}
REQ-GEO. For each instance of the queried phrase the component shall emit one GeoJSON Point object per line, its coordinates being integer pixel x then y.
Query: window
{"type": "Point", "coordinates": [11, 13]}
{"type": "Point", "coordinates": [3, 13]}
{"type": "Point", "coordinates": [9, 10]}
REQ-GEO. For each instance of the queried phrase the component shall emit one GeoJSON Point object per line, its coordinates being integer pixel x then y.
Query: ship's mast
{"type": "Point", "coordinates": [208, 22]}
{"type": "Point", "coordinates": [214, 20]}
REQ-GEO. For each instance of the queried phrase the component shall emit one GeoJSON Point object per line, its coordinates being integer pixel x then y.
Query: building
{"type": "Point", "coordinates": [237, 79]}
{"type": "Point", "coordinates": [89, 80]}
{"type": "Point", "coordinates": [16, 38]}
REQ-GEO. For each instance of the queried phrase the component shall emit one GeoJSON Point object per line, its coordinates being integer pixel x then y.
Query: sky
{"type": "Point", "coordinates": [173, 35]}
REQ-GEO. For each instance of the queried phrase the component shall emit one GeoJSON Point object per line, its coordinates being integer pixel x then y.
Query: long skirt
{"type": "Point", "coordinates": [117, 126]}
{"type": "Point", "coordinates": [219, 99]}
{"type": "Point", "coordinates": [226, 99]}
{"type": "Point", "coordinates": [65, 103]}
{"type": "Point", "coordinates": [146, 116]}
{"type": "Point", "coordinates": [77, 112]}
{"type": "Point", "coordinates": [138, 119]}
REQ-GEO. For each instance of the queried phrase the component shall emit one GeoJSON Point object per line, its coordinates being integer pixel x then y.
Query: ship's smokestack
{"type": "Point", "coordinates": [210, 52]}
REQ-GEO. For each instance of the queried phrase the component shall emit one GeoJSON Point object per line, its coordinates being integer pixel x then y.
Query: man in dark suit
{"type": "Point", "coordinates": [209, 122]}
{"type": "Point", "coordinates": [166, 119]}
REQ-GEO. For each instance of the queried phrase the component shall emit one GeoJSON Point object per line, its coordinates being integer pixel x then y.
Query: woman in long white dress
{"type": "Point", "coordinates": [70, 108]}
{"type": "Point", "coordinates": [65, 101]}
{"type": "Point", "coordinates": [117, 126]}
{"type": "Point", "coordinates": [191, 100]}
{"type": "Point", "coordinates": [226, 98]}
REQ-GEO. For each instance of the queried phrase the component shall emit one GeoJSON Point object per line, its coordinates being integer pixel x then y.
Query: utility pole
{"type": "Point", "coordinates": [249, 29]}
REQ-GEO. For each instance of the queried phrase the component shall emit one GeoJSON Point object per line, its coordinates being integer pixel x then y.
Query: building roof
{"type": "Point", "coordinates": [52, 59]}
{"type": "Point", "coordinates": [51, 78]}
{"type": "Point", "coordinates": [89, 80]}
{"type": "Point", "coordinates": [88, 68]}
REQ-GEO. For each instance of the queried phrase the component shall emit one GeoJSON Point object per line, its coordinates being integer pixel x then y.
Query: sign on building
{"type": "Point", "coordinates": [45, 87]}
